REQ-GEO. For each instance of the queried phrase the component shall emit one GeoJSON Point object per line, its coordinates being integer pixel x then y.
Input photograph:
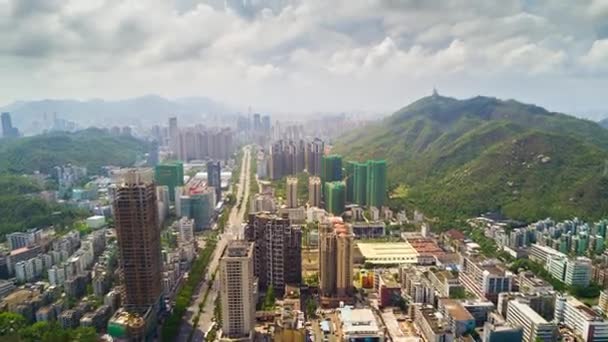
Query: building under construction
{"type": "Point", "coordinates": [138, 234]}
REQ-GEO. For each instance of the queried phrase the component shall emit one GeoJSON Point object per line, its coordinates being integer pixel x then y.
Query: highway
{"type": "Point", "coordinates": [233, 230]}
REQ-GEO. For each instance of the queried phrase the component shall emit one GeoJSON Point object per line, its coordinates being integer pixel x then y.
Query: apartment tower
{"type": "Point", "coordinates": [314, 191]}
{"type": "Point", "coordinates": [335, 262]}
{"type": "Point", "coordinates": [238, 290]}
{"type": "Point", "coordinates": [278, 250]}
{"type": "Point", "coordinates": [292, 192]}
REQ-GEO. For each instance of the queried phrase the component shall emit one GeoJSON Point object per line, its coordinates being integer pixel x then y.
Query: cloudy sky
{"type": "Point", "coordinates": [306, 55]}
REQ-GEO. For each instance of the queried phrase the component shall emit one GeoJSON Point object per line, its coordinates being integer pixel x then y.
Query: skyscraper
{"type": "Point", "coordinates": [174, 138]}
{"type": "Point", "coordinates": [170, 175]}
{"type": "Point", "coordinates": [376, 183]}
{"type": "Point", "coordinates": [335, 197]}
{"type": "Point", "coordinates": [8, 131]}
{"type": "Point", "coordinates": [314, 191]}
{"type": "Point", "coordinates": [214, 178]}
{"type": "Point", "coordinates": [360, 184]}
{"type": "Point", "coordinates": [331, 168]}
{"type": "Point", "coordinates": [349, 179]}
{"type": "Point", "coordinates": [238, 290]}
{"type": "Point", "coordinates": [335, 261]}
{"type": "Point", "coordinates": [314, 155]}
{"type": "Point", "coordinates": [138, 233]}
{"type": "Point", "coordinates": [292, 192]}
{"type": "Point", "coordinates": [278, 250]}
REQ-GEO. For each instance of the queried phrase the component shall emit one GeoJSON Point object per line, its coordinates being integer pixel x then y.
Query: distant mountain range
{"type": "Point", "coordinates": [147, 110]}
{"type": "Point", "coordinates": [456, 158]}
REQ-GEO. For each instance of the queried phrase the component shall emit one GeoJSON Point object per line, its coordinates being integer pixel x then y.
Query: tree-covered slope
{"type": "Point", "coordinates": [464, 157]}
{"type": "Point", "coordinates": [21, 207]}
{"type": "Point", "coordinates": [92, 148]}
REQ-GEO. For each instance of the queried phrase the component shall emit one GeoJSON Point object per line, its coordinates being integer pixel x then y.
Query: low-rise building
{"type": "Point", "coordinates": [458, 318]}
{"type": "Point", "coordinates": [431, 325]}
{"type": "Point", "coordinates": [368, 230]}
{"type": "Point", "coordinates": [388, 253]}
{"type": "Point", "coordinates": [499, 330]}
{"type": "Point", "coordinates": [584, 321]}
{"type": "Point", "coordinates": [530, 283]}
{"type": "Point", "coordinates": [389, 290]}
{"type": "Point", "coordinates": [359, 325]}
{"type": "Point", "coordinates": [486, 278]}
{"type": "Point", "coordinates": [535, 327]}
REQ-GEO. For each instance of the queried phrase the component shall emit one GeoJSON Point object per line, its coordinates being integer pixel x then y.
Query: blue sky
{"type": "Point", "coordinates": [307, 55]}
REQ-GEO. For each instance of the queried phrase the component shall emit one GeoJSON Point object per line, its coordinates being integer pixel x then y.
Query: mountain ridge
{"type": "Point", "coordinates": [463, 154]}
{"type": "Point", "coordinates": [150, 109]}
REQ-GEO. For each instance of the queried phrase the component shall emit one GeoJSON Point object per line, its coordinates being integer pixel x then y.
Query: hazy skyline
{"type": "Point", "coordinates": [307, 55]}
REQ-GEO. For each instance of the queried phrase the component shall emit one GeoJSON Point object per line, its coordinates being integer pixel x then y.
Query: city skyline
{"type": "Point", "coordinates": [306, 56]}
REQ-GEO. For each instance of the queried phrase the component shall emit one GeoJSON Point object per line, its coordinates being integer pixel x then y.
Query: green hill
{"type": "Point", "coordinates": [21, 208]}
{"type": "Point", "coordinates": [92, 148]}
{"type": "Point", "coordinates": [458, 158]}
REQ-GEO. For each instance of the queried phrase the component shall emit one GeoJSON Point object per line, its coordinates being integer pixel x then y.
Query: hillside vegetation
{"type": "Point", "coordinates": [21, 208]}
{"type": "Point", "coordinates": [92, 148]}
{"type": "Point", "coordinates": [458, 158]}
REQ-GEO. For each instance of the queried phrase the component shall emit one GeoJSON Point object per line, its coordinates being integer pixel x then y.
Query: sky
{"type": "Point", "coordinates": [307, 55]}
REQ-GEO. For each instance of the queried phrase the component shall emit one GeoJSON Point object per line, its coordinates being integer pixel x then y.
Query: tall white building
{"type": "Point", "coordinates": [535, 326]}
{"type": "Point", "coordinates": [238, 290]}
{"type": "Point", "coordinates": [581, 319]}
{"type": "Point", "coordinates": [186, 230]}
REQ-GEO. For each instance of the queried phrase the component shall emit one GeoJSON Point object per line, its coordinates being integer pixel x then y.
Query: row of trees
{"type": "Point", "coordinates": [171, 326]}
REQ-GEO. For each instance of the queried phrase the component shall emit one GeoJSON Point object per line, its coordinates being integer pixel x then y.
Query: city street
{"type": "Point", "coordinates": [232, 231]}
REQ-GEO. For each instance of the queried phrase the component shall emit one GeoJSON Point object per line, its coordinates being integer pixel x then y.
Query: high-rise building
{"type": "Point", "coordinates": [314, 191]}
{"type": "Point", "coordinates": [335, 197]}
{"type": "Point", "coordinates": [376, 183]}
{"type": "Point", "coordinates": [238, 290]}
{"type": "Point", "coordinates": [198, 207]}
{"type": "Point", "coordinates": [138, 233]}
{"type": "Point", "coordinates": [314, 155]}
{"type": "Point", "coordinates": [360, 184]}
{"type": "Point", "coordinates": [331, 168]}
{"type": "Point", "coordinates": [214, 178]}
{"type": "Point", "coordinates": [186, 230]}
{"type": "Point", "coordinates": [292, 192]}
{"type": "Point", "coordinates": [152, 159]}
{"type": "Point", "coordinates": [349, 179]}
{"type": "Point", "coordinates": [278, 250]}
{"type": "Point", "coordinates": [170, 175]}
{"type": "Point", "coordinates": [286, 158]}
{"type": "Point", "coordinates": [8, 131]}
{"type": "Point", "coordinates": [174, 139]}
{"type": "Point", "coordinates": [335, 261]}
{"type": "Point", "coordinates": [266, 124]}
{"type": "Point", "coordinates": [257, 122]}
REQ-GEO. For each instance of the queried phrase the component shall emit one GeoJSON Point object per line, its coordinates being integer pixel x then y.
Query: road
{"type": "Point", "coordinates": [233, 231]}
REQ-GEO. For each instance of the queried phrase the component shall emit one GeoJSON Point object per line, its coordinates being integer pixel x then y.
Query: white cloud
{"type": "Point", "coordinates": [597, 57]}
{"type": "Point", "coordinates": [338, 54]}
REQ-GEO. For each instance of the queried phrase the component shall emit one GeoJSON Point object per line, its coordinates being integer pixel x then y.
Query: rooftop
{"type": "Point", "coordinates": [358, 320]}
{"type": "Point", "coordinates": [425, 246]}
{"type": "Point", "coordinates": [586, 311]}
{"type": "Point", "coordinates": [528, 312]}
{"type": "Point", "coordinates": [433, 319]}
{"type": "Point", "coordinates": [388, 252]}
{"type": "Point", "coordinates": [238, 249]}
{"type": "Point", "coordinates": [455, 309]}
